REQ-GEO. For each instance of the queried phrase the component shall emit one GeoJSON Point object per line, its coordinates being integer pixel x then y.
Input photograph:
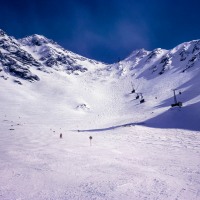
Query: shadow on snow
{"type": "Point", "coordinates": [110, 128]}
{"type": "Point", "coordinates": [187, 118]}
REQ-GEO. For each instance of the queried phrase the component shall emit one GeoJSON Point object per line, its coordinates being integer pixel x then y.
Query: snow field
{"type": "Point", "coordinates": [125, 163]}
{"type": "Point", "coordinates": [138, 152]}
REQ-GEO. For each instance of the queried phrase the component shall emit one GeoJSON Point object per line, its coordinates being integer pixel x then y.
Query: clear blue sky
{"type": "Point", "coordinates": [104, 29]}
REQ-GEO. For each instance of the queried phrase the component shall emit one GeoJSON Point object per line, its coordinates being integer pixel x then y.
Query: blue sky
{"type": "Point", "coordinates": [104, 29]}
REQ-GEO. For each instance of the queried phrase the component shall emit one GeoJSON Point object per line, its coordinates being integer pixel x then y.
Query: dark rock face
{"type": "Point", "coordinates": [53, 56]}
{"type": "Point", "coordinates": [153, 54]}
{"type": "Point", "coordinates": [18, 82]}
{"type": "Point", "coordinates": [26, 58]}
{"type": "Point", "coordinates": [42, 54]}
{"type": "Point", "coordinates": [2, 33]}
{"type": "Point", "coordinates": [196, 47]}
{"type": "Point", "coordinates": [37, 42]}
{"type": "Point", "coordinates": [15, 60]}
{"type": "Point", "coordinates": [19, 57]}
{"type": "Point", "coordinates": [23, 73]}
{"type": "Point", "coordinates": [165, 61]}
{"type": "Point", "coordinates": [14, 50]}
{"type": "Point", "coordinates": [192, 61]}
{"type": "Point", "coordinates": [184, 54]}
{"type": "Point", "coordinates": [51, 62]}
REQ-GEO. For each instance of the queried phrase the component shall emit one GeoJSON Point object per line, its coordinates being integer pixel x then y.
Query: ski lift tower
{"type": "Point", "coordinates": [176, 103]}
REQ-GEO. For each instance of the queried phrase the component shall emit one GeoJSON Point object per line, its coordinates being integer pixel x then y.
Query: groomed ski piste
{"type": "Point", "coordinates": [138, 151]}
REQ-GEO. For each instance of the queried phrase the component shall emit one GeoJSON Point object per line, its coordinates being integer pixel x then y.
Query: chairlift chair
{"type": "Point", "coordinates": [142, 101]}
{"type": "Point", "coordinates": [180, 104]}
{"type": "Point", "coordinates": [137, 97]}
{"type": "Point", "coordinates": [133, 91]}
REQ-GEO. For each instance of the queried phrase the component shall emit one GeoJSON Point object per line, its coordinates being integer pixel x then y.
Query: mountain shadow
{"type": "Point", "coordinates": [187, 117]}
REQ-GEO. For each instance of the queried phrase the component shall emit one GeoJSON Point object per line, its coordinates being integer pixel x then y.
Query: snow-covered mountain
{"type": "Point", "coordinates": [152, 74]}
{"type": "Point", "coordinates": [50, 54]}
{"type": "Point", "coordinates": [14, 60]}
{"type": "Point", "coordinates": [40, 53]}
{"type": "Point", "coordinates": [20, 57]}
{"type": "Point", "coordinates": [142, 148]}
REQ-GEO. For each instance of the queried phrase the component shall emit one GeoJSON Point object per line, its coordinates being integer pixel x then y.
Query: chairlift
{"type": "Point", "coordinates": [176, 103]}
{"type": "Point", "coordinates": [137, 97]}
{"type": "Point", "coordinates": [142, 101]}
{"type": "Point", "coordinates": [142, 98]}
{"type": "Point", "coordinates": [133, 91]}
{"type": "Point", "coordinates": [180, 104]}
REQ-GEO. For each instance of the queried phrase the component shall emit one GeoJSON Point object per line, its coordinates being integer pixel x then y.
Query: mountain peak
{"type": "Point", "coordinates": [2, 33]}
{"type": "Point", "coordinates": [138, 53]}
{"type": "Point", "coordinates": [35, 40]}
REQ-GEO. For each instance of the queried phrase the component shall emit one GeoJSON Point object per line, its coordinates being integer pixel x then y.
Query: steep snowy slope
{"type": "Point", "coordinates": [139, 150]}
{"type": "Point", "coordinates": [20, 58]}
{"type": "Point", "coordinates": [50, 54]}
{"type": "Point", "coordinates": [154, 75]}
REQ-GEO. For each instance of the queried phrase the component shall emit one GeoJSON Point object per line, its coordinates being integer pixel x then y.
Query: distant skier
{"type": "Point", "coordinates": [61, 136]}
{"type": "Point", "coordinates": [90, 140]}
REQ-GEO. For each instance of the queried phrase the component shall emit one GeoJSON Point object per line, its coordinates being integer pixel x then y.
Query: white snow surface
{"type": "Point", "coordinates": [137, 152]}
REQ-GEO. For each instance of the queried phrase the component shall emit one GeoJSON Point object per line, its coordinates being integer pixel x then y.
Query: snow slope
{"type": "Point", "coordinates": [139, 151]}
